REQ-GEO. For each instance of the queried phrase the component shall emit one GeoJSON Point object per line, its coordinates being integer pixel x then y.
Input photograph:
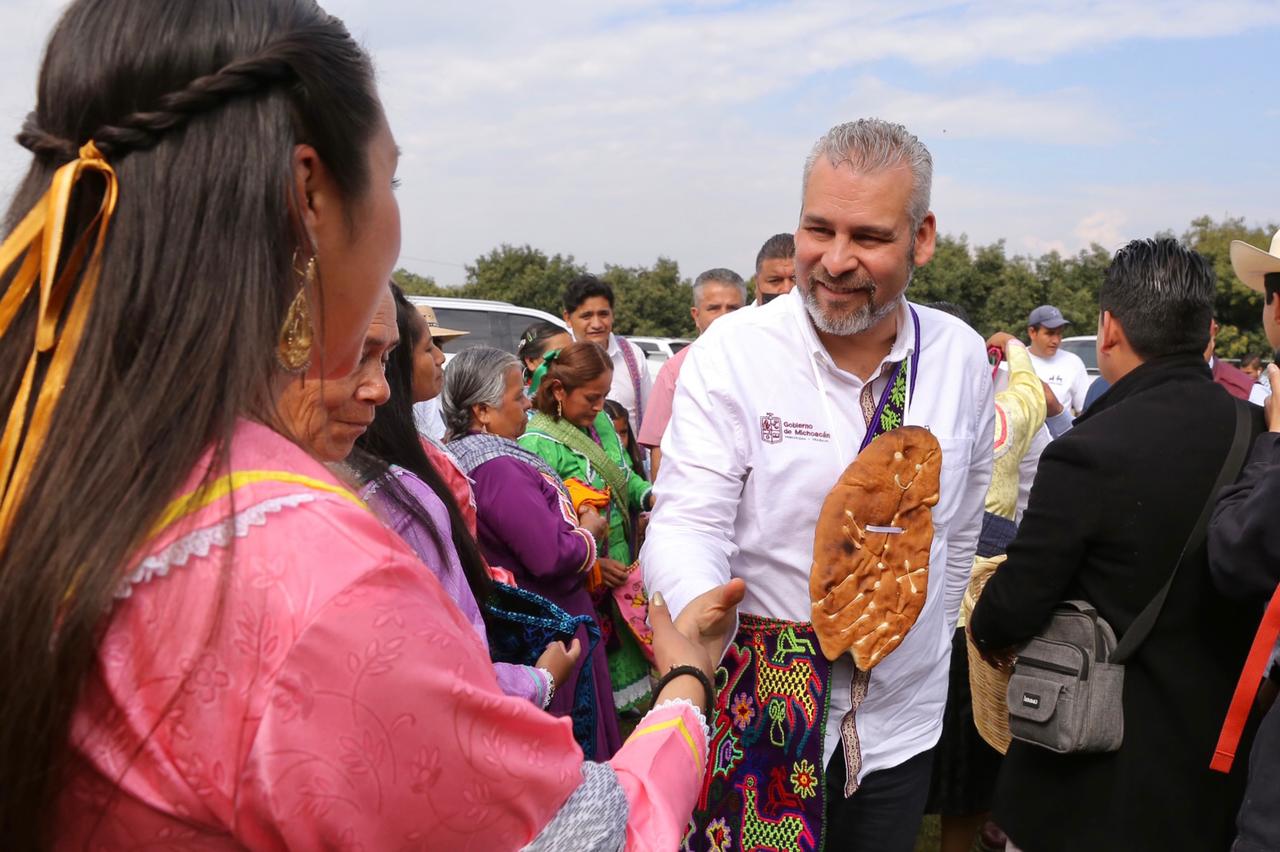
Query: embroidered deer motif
{"type": "Point", "coordinates": [788, 644]}
{"type": "Point", "coordinates": [778, 795]}
{"type": "Point", "coordinates": [783, 688]}
{"type": "Point", "coordinates": [766, 833]}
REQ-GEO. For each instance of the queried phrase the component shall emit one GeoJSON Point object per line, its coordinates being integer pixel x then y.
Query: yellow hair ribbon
{"type": "Point", "coordinates": [37, 241]}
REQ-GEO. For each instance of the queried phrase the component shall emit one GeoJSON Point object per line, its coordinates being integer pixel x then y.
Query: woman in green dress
{"type": "Point", "coordinates": [571, 432]}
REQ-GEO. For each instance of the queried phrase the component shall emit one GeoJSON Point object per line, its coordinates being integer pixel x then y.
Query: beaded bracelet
{"type": "Point", "coordinates": [679, 671]}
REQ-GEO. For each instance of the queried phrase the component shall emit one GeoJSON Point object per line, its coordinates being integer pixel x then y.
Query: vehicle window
{"type": "Point", "coordinates": [649, 348]}
{"type": "Point", "coordinates": [487, 328]}
{"type": "Point", "coordinates": [677, 345]}
{"type": "Point", "coordinates": [1086, 349]}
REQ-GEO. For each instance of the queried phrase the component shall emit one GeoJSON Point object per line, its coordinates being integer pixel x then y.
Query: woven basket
{"type": "Point", "coordinates": [987, 684]}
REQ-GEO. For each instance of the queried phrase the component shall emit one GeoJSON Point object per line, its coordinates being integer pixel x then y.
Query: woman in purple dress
{"type": "Point", "coordinates": [526, 523]}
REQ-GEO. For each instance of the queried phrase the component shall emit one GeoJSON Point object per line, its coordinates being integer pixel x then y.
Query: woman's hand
{"type": "Point", "coordinates": [560, 660]}
{"type": "Point", "coordinates": [593, 522]}
{"type": "Point", "coordinates": [613, 572]}
{"type": "Point", "coordinates": [1000, 339]}
{"type": "Point", "coordinates": [1052, 408]}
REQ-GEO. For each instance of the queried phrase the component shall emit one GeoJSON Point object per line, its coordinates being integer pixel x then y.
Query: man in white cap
{"type": "Point", "coordinates": [426, 415]}
{"type": "Point", "coordinates": [1062, 371]}
{"type": "Point", "coordinates": [1244, 540]}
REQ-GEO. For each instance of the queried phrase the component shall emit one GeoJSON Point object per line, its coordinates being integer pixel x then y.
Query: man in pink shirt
{"type": "Point", "coordinates": [716, 292]}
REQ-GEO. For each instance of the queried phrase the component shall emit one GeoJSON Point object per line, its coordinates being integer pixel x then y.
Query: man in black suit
{"type": "Point", "coordinates": [1113, 504]}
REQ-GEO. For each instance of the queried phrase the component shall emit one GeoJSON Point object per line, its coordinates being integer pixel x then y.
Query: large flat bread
{"type": "Point", "coordinates": [870, 568]}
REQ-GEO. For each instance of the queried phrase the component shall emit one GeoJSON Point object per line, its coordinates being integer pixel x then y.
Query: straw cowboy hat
{"type": "Point", "coordinates": [1252, 264]}
{"type": "Point", "coordinates": [438, 332]}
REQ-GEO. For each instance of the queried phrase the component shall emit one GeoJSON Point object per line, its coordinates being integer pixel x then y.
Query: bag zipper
{"type": "Point", "coordinates": [1048, 666]}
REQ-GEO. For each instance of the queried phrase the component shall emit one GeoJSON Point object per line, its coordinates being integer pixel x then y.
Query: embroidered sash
{"type": "Point", "coordinates": [766, 784]}
{"type": "Point", "coordinates": [629, 358]}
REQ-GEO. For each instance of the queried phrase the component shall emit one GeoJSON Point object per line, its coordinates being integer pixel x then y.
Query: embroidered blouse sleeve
{"type": "Point", "coordinates": [386, 729]}
{"type": "Point", "coordinates": [1023, 401]}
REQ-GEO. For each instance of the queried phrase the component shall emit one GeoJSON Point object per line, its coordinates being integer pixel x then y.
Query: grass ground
{"type": "Point", "coordinates": [928, 839]}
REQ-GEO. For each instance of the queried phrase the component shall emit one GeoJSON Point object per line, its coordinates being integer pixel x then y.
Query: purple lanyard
{"type": "Point", "coordinates": [629, 358]}
{"type": "Point", "coordinates": [873, 428]}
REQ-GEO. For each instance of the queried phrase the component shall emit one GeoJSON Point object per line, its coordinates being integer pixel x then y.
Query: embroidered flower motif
{"type": "Point", "coordinates": [804, 779]}
{"type": "Point", "coordinates": [204, 679]}
{"type": "Point", "coordinates": [718, 835]}
{"type": "Point", "coordinates": [744, 710]}
{"type": "Point", "coordinates": [294, 697]}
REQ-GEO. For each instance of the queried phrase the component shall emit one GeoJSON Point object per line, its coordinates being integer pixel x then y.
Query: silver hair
{"type": "Point", "coordinates": [873, 145]}
{"type": "Point", "coordinates": [475, 376]}
{"type": "Point", "coordinates": [719, 275]}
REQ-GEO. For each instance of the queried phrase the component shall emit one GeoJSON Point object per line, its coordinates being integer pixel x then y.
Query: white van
{"type": "Point", "coordinates": [658, 349]}
{"type": "Point", "coordinates": [490, 323]}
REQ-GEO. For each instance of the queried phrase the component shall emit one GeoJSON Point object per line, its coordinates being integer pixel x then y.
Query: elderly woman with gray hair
{"type": "Point", "coordinates": [525, 520]}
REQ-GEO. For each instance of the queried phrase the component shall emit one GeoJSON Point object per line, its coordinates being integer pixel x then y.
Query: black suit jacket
{"type": "Point", "coordinates": [1112, 506]}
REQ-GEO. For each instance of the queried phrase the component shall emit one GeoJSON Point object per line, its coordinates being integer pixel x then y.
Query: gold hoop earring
{"type": "Point", "coordinates": [297, 334]}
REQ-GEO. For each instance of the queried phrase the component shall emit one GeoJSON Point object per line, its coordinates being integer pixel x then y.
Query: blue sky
{"type": "Point", "coordinates": [619, 130]}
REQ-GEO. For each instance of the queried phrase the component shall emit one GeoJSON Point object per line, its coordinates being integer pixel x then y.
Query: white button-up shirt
{"type": "Point", "coordinates": [763, 424]}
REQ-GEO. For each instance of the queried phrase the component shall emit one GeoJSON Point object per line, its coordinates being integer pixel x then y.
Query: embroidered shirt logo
{"type": "Point", "coordinates": [775, 430]}
{"type": "Point", "coordinates": [771, 428]}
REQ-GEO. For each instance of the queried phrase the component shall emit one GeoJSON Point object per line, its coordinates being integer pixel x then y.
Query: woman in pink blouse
{"type": "Point", "coordinates": [209, 642]}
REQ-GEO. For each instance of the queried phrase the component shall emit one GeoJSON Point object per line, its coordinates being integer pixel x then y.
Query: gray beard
{"type": "Point", "coordinates": [854, 322]}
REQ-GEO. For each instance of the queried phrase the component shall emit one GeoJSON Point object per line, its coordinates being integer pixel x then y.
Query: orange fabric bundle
{"type": "Point", "coordinates": [582, 495]}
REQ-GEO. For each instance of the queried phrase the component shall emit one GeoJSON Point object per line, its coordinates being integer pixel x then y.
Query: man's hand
{"type": "Point", "coordinates": [699, 635]}
{"type": "Point", "coordinates": [1273, 414]}
{"type": "Point", "coordinates": [709, 618]}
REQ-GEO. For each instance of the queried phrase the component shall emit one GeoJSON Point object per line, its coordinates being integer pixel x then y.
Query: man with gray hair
{"type": "Point", "coordinates": [770, 409]}
{"type": "Point", "coordinates": [716, 292]}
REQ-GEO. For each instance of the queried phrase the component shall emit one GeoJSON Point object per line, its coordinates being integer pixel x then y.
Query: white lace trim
{"type": "Point", "coordinates": [702, 720]}
{"type": "Point", "coordinates": [634, 692]}
{"type": "Point", "coordinates": [199, 542]}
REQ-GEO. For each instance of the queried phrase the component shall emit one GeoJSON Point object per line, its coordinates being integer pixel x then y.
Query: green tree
{"type": "Point", "coordinates": [521, 275]}
{"type": "Point", "coordinates": [651, 301]}
{"type": "Point", "coordinates": [420, 285]}
{"type": "Point", "coordinates": [951, 277]}
{"type": "Point", "coordinates": [1237, 308]}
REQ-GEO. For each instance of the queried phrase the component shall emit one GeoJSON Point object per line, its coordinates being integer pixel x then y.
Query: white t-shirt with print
{"type": "Point", "coordinates": [1066, 374]}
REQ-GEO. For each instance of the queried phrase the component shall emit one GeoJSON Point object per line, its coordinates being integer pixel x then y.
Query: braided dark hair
{"type": "Point", "coordinates": [42, 144]}
{"type": "Point", "coordinates": [208, 99]}
{"type": "Point", "coordinates": [140, 130]}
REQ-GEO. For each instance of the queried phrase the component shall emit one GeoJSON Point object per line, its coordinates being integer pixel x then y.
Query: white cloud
{"type": "Point", "coordinates": [1061, 117]}
{"type": "Point", "coordinates": [1104, 227]}
{"type": "Point", "coordinates": [618, 130]}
